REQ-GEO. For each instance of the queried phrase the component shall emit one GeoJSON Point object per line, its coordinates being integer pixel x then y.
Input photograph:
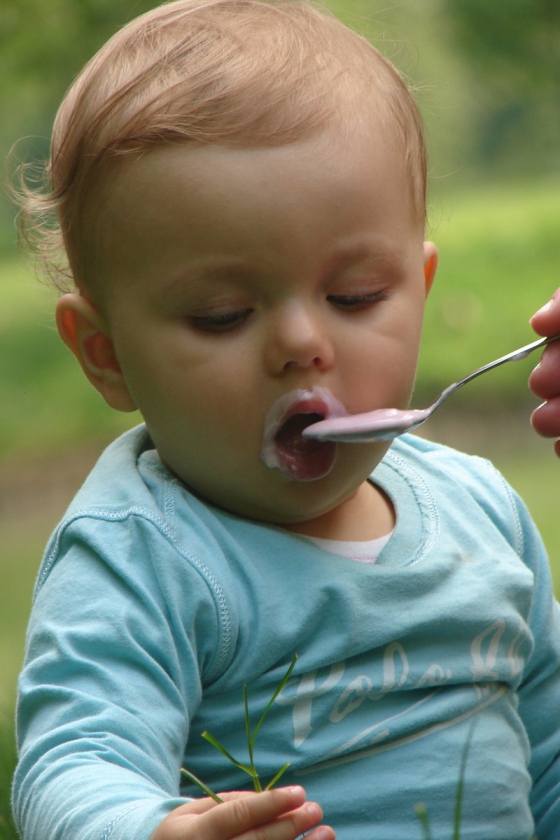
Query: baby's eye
{"type": "Point", "coordinates": [220, 322]}
{"type": "Point", "coordinates": [356, 303]}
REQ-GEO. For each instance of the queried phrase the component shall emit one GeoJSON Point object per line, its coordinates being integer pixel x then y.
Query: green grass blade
{"type": "Point", "coordinates": [278, 776]}
{"type": "Point", "coordinates": [215, 743]}
{"type": "Point", "coordinates": [461, 786]}
{"type": "Point", "coordinates": [282, 685]}
{"type": "Point", "coordinates": [250, 769]}
{"type": "Point", "coordinates": [422, 816]}
{"type": "Point", "coordinates": [458, 810]}
{"type": "Point", "coordinates": [204, 788]}
{"type": "Point", "coordinates": [250, 741]}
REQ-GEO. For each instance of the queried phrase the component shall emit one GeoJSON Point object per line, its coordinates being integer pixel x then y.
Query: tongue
{"type": "Point", "coordinates": [303, 459]}
{"type": "Point", "coordinates": [289, 436]}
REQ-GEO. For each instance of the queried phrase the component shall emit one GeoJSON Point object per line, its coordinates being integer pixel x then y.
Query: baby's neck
{"type": "Point", "coordinates": [367, 515]}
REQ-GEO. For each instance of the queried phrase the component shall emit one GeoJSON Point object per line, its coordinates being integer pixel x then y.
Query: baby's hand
{"type": "Point", "coordinates": [280, 814]}
{"type": "Point", "coordinates": [545, 379]}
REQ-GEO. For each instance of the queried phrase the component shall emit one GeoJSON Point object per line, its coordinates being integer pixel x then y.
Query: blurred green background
{"type": "Point", "coordinates": [487, 77]}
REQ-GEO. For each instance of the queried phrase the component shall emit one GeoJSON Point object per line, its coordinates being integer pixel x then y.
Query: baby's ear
{"type": "Point", "coordinates": [82, 329]}
{"type": "Point", "coordinates": [431, 258]}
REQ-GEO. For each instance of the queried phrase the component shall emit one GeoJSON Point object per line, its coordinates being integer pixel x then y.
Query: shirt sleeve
{"type": "Point", "coordinates": [111, 680]}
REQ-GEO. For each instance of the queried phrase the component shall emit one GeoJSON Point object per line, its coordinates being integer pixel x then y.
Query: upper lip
{"type": "Point", "coordinates": [317, 400]}
{"type": "Point", "coordinates": [311, 406]}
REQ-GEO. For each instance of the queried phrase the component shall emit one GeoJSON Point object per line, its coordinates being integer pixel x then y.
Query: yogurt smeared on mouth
{"type": "Point", "coordinates": [284, 446]}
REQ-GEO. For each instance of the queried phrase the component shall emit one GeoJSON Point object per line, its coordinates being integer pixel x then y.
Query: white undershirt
{"type": "Point", "coordinates": [362, 551]}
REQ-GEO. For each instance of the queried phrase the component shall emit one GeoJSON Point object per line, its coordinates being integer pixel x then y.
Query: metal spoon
{"type": "Point", "coordinates": [389, 423]}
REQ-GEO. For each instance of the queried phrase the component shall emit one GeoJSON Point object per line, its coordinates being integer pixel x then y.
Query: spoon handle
{"type": "Point", "coordinates": [514, 356]}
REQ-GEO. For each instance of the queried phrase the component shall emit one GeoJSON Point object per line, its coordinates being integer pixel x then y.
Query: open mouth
{"type": "Point", "coordinates": [290, 433]}
{"type": "Point", "coordinates": [284, 447]}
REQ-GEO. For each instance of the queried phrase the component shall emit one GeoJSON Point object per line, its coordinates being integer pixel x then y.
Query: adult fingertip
{"type": "Point", "coordinates": [542, 311]}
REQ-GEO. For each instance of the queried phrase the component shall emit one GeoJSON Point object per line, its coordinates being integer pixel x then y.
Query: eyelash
{"type": "Point", "coordinates": [219, 323]}
{"type": "Point", "coordinates": [356, 303]}
{"type": "Point", "coordinates": [229, 321]}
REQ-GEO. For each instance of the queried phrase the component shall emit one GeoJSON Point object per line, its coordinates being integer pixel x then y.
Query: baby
{"type": "Point", "coordinates": [239, 190]}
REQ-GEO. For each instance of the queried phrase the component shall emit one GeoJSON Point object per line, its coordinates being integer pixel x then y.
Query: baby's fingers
{"type": "Point", "coordinates": [281, 814]}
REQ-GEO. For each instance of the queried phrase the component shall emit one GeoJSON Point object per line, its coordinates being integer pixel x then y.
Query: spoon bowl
{"type": "Point", "coordinates": [389, 423]}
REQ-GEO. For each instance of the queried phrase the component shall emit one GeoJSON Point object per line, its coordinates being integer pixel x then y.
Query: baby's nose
{"type": "Point", "coordinates": [299, 339]}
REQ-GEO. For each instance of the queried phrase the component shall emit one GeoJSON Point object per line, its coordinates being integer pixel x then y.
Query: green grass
{"type": "Point", "coordinates": [7, 761]}
{"type": "Point", "coordinates": [19, 563]}
{"type": "Point", "coordinates": [46, 401]}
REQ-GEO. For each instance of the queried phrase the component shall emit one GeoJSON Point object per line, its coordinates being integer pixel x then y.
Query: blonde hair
{"type": "Point", "coordinates": [235, 72]}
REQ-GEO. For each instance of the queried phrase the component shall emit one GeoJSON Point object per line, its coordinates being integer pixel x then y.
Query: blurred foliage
{"type": "Point", "coordinates": [43, 45]}
{"type": "Point", "coordinates": [512, 51]}
{"type": "Point", "coordinates": [519, 41]}
{"type": "Point", "coordinates": [499, 256]}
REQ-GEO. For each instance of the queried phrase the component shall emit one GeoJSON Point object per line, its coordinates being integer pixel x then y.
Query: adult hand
{"type": "Point", "coordinates": [545, 379]}
{"type": "Point", "coordinates": [280, 814]}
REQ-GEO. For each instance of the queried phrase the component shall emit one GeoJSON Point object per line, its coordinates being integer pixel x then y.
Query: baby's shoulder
{"type": "Point", "coordinates": [135, 514]}
{"type": "Point", "coordinates": [429, 456]}
{"type": "Point", "coordinates": [453, 476]}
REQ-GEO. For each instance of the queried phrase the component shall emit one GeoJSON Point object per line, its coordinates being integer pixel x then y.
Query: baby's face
{"type": "Point", "coordinates": [253, 291]}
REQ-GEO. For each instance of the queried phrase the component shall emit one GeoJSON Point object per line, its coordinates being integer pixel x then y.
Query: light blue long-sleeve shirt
{"type": "Point", "coordinates": [153, 609]}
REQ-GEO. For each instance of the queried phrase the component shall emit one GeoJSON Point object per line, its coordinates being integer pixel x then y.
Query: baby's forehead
{"type": "Point", "coordinates": [211, 206]}
{"type": "Point", "coordinates": [357, 138]}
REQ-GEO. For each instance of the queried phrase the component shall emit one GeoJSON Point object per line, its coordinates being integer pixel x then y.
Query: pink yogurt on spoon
{"type": "Point", "coordinates": [382, 424]}
{"type": "Point", "coordinates": [284, 446]}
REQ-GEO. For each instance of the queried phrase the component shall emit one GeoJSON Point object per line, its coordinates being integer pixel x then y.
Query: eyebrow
{"type": "Point", "coordinates": [207, 272]}
{"type": "Point", "coordinates": [220, 270]}
{"type": "Point", "coordinates": [375, 252]}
